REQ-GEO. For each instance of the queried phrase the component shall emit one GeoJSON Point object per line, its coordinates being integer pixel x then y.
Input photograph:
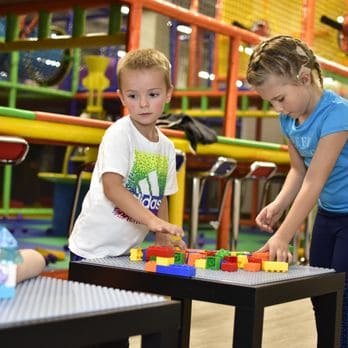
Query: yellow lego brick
{"type": "Point", "coordinates": [174, 238]}
{"type": "Point", "coordinates": [136, 254]}
{"type": "Point", "coordinates": [237, 253]}
{"type": "Point", "coordinates": [164, 261]}
{"type": "Point", "coordinates": [242, 260]}
{"type": "Point", "coordinates": [275, 266]}
{"type": "Point", "coordinates": [200, 263]}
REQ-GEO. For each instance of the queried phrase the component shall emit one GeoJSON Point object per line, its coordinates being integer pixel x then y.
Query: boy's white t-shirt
{"type": "Point", "coordinates": [149, 173]}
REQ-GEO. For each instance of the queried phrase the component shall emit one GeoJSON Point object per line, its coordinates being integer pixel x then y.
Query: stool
{"type": "Point", "coordinates": [258, 170]}
{"type": "Point", "coordinates": [221, 169]}
{"type": "Point", "coordinates": [86, 167]}
{"type": "Point", "coordinates": [276, 179]}
{"type": "Point", "coordinates": [13, 150]}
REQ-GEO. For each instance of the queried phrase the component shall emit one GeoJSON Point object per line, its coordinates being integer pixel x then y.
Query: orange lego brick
{"type": "Point", "coordinates": [193, 257]}
{"type": "Point", "coordinates": [263, 256]}
{"type": "Point", "coordinates": [252, 267]}
{"type": "Point", "coordinates": [254, 259]}
{"type": "Point", "coordinates": [150, 266]}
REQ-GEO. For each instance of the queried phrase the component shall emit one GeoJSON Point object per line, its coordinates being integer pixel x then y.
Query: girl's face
{"type": "Point", "coordinates": [286, 96]}
{"type": "Point", "coordinates": [144, 93]}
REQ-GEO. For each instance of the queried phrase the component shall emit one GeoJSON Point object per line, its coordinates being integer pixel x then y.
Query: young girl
{"type": "Point", "coordinates": [284, 71]}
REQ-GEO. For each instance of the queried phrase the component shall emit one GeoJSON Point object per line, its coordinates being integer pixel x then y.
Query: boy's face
{"type": "Point", "coordinates": [144, 93]}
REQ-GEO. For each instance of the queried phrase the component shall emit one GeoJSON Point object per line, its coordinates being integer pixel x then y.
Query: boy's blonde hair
{"type": "Point", "coordinates": [284, 56]}
{"type": "Point", "coordinates": [145, 58]}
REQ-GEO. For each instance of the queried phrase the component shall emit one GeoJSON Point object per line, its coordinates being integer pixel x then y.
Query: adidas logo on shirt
{"type": "Point", "coordinates": [148, 192]}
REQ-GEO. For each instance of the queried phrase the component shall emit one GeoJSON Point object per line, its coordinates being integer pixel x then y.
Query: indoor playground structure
{"type": "Point", "coordinates": [59, 89]}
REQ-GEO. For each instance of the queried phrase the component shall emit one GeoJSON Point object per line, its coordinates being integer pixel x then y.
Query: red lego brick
{"type": "Point", "coordinates": [229, 267]}
{"type": "Point", "coordinates": [159, 251]}
{"type": "Point", "coordinates": [231, 259]}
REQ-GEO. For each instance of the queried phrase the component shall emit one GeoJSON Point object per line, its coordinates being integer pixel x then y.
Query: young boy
{"type": "Point", "coordinates": [135, 169]}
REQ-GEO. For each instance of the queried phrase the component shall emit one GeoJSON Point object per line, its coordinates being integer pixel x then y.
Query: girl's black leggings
{"type": "Point", "coordinates": [329, 249]}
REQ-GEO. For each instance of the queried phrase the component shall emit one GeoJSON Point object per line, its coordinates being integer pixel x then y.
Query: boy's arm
{"type": "Point", "coordinates": [123, 199]}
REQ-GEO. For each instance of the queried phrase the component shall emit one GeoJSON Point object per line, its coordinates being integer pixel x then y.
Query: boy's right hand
{"type": "Point", "coordinates": [159, 225]}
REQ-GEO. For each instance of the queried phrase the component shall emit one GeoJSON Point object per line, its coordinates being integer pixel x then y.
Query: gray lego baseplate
{"type": "Point", "coordinates": [240, 277]}
{"type": "Point", "coordinates": [43, 298]}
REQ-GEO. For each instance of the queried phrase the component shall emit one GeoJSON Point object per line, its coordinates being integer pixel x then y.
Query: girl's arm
{"type": "Point", "coordinates": [123, 199]}
{"type": "Point", "coordinates": [293, 179]}
{"type": "Point", "coordinates": [323, 161]}
{"type": "Point", "coordinates": [271, 213]}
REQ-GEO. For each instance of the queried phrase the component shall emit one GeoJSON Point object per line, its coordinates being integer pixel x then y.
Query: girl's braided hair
{"type": "Point", "coordinates": [284, 56]}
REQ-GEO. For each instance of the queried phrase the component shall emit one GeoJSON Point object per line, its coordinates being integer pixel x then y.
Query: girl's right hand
{"type": "Point", "coordinates": [269, 216]}
{"type": "Point", "coordinates": [278, 249]}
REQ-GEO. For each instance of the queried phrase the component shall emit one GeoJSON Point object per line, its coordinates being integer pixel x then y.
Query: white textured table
{"type": "Point", "coordinates": [48, 312]}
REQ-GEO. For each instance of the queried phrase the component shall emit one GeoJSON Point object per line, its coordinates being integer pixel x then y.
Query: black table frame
{"type": "Point", "coordinates": [249, 300]}
{"type": "Point", "coordinates": [158, 323]}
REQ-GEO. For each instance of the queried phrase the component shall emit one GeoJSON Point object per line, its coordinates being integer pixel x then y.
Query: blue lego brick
{"type": "Point", "coordinates": [179, 270]}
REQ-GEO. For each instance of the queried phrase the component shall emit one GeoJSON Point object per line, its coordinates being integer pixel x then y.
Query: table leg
{"type": "Point", "coordinates": [248, 324]}
{"type": "Point", "coordinates": [160, 340]}
{"type": "Point", "coordinates": [331, 304]}
{"type": "Point", "coordinates": [184, 334]}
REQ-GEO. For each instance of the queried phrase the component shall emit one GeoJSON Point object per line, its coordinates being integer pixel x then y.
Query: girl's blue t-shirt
{"type": "Point", "coordinates": [329, 116]}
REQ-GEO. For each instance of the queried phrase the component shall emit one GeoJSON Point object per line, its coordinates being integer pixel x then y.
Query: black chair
{"type": "Point", "coordinates": [222, 169]}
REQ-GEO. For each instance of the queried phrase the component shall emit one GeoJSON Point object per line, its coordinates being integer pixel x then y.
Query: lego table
{"type": "Point", "coordinates": [249, 292]}
{"type": "Point", "coordinates": [59, 313]}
